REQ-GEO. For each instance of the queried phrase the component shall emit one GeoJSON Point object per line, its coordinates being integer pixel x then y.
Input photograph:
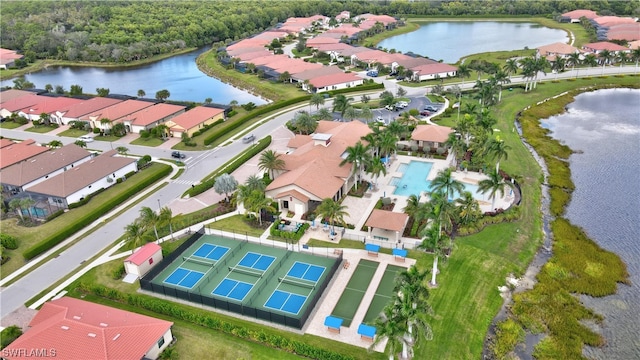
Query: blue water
{"type": "Point", "coordinates": [450, 41]}
{"type": "Point", "coordinates": [414, 180]}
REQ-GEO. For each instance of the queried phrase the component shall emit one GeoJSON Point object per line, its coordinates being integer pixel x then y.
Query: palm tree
{"type": "Point", "coordinates": [463, 72]}
{"type": "Point", "coordinates": [389, 326]}
{"type": "Point", "coordinates": [270, 161]}
{"type": "Point", "coordinates": [323, 114]}
{"type": "Point", "coordinates": [388, 143]}
{"type": "Point", "coordinates": [122, 150]}
{"type": "Point", "coordinates": [350, 113]}
{"type": "Point", "coordinates": [494, 184]}
{"type": "Point", "coordinates": [540, 64]}
{"type": "Point", "coordinates": [256, 202]}
{"type": "Point", "coordinates": [606, 56]}
{"type": "Point", "coordinates": [366, 114]}
{"type": "Point", "coordinates": [105, 124]}
{"type": "Point", "coordinates": [305, 123]}
{"type": "Point", "coordinates": [375, 167]}
{"type": "Point", "coordinates": [501, 78]}
{"type": "Point", "coordinates": [445, 183]}
{"type": "Point", "coordinates": [134, 234]}
{"type": "Point", "coordinates": [255, 182]}
{"type": "Point", "coordinates": [317, 100]}
{"type": "Point", "coordinates": [340, 104]}
{"type": "Point", "coordinates": [81, 144]}
{"type": "Point", "coordinates": [574, 60]}
{"type": "Point", "coordinates": [54, 144]}
{"type": "Point", "coordinates": [412, 281]}
{"type": "Point", "coordinates": [333, 211]}
{"type": "Point", "coordinates": [412, 310]}
{"type": "Point", "coordinates": [141, 93]}
{"type": "Point", "coordinates": [511, 67]}
{"type": "Point", "coordinates": [149, 218]}
{"type": "Point", "coordinates": [468, 208]}
{"type": "Point", "coordinates": [119, 129]}
{"type": "Point", "coordinates": [16, 205]}
{"type": "Point", "coordinates": [498, 150]}
{"type": "Point", "coordinates": [635, 57]}
{"type": "Point", "coordinates": [397, 129]}
{"type": "Point", "coordinates": [558, 65]}
{"type": "Point", "coordinates": [432, 240]}
{"type": "Point", "coordinates": [358, 155]}
{"type": "Point", "coordinates": [166, 216]}
{"type": "Point", "coordinates": [590, 60]}
{"type": "Point", "coordinates": [621, 58]}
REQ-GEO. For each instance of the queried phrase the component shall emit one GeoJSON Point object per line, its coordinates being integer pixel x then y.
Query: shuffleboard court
{"type": "Point", "coordinates": [383, 294]}
{"type": "Point", "coordinates": [184, 278]}
{"type": "Point", "coordinates": [351, 297]}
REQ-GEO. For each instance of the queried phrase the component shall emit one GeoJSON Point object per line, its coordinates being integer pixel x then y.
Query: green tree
{"type": "Point", "coordinates": [102, 92]}
{"type": "Point", "coordinates": [149, 219]}
{"type": "Point", "coordinates": [75, 90]}
{"type": "Point", "coordinates": [135, 234]}
{"type": "Point", "coordinates": [163, 94]}
{"type": "Point", "coordinates": [350, 113]}
{"type": "Point", "coordinates": [119, 129]}
{"type": "Point", "coordinates": [48, 88]}
{"type": "Point", "coordinates": [141, 93]}
{"type": "Point", "coordinates": [468, 208]}
{"type": "Point", "coordinates": [166, 217]}
{"type": "Point", "coordinates": [358, 155]}
{"type": "Point", "coordinates": [376, 167]}
{"type": "Point", "coordinates": [304, 123]}
{"type": "Point", "coordinates": [271, 161]}
{"type": "Point", "coordinates": [511, 67]}
{"type": "Point", "coordinates": [225, 184]}
{"type": "Point", "coordinates": [257, 202]}
{"type": "Point", "coordinates": [81, 144]}
{"type": "Point", "coordinates": [340, 104]}
{"type": "Point", "coordinates": [333, 211]}
{"type": "Point", "coordinates": [497, 149]}
{"type": "Point", "coordinates": [105, 124]}
{"type": "Point", "coordinates": [366, 114]}
{"type": "Point", "coordinates": [316, 100]}
{"type": "Point", "coordinates": [255, 182]}
{"type": "Point", "coordinates": [208, 100]}
{"type": "Point", "coordinates": [445, 183]}
{"type": "Point", "coordinates": [122, 150]}
{"type": "Point", "coordinates": [285, 77]}
{"type": "Point", "coordinates": [392, 328]}
{"type": "Point", "coordinates": [401, 91]}
{"type": "Point", "coordinates": [54, 144]}
{"type": "Point", "coordinates": [16, 205]}
{"type": "Point", "coordinates": [21, 83]}
{"type": "Point", "coordinates": [493, 185]}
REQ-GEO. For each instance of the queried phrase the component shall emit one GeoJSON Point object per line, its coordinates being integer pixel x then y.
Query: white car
{"type": "Point", "coordinates": [86, 138]}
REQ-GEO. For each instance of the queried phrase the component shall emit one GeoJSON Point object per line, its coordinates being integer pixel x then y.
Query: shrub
{"type": "Point", "coordinates": [8, 241]}
{"type": "Point", "coordinates": [96, 130]}
{"type": "Point", "coordinates": [9, 334]}
{"type": "Point", "coordinates": [55, 215]}
{"type": "Point", "coordinates": [118, 272]}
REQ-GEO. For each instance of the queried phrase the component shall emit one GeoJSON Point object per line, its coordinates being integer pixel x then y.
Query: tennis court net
{"type": "Point", "coordinates": [198, 261]}
{"type": "Point", "coordinates": [246, 271]}
{"type": "Point", "coordinates": [304, 284]}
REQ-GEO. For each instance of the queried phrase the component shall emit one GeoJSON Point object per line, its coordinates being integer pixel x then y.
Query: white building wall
{"type": "Point", "coordinates": [59, 171]}
{"type": "Point", "coordinates": [340, 86]}
{"type": "Point", "coordinates": [155, 350]}
{"type": "Point", "coordinates": [436, 76]}
{"type": "Point", "coordinates": [101, 183]}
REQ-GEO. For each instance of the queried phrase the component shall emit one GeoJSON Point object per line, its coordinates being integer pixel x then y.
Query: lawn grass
{"type": "Point", "coordinates": [40, 129]}
{"type": "Point", "coordinates": [9, 125]}
{"type": "Point", "coordinates": [236, 224]}
{"type": "Point", "coordinates": [150, 141]}
{"type": "Point", "coordinates": [74, 133]}
{"type": "Point", "coordinates": [109, 138]}
{"type": "Point", "coordinates": [29, 236]}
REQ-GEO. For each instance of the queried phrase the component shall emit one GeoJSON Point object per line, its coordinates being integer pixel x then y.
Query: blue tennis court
{"type": "Point", "coordinates": [211, 252]}
{"type": "Point", "coordinates": [183, 277]}
{"type": "Point", "coordinates": [233, 289]}
{"type": "Point", "coordinates": [306, 271]}
{"type": "Point", "coordinates": [285, 301]}
{"type": "Point", "coordinates": [256, 261]}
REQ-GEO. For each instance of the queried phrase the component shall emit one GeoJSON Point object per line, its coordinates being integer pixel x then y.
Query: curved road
{"type": "Point", "coordinates": [15, 295]}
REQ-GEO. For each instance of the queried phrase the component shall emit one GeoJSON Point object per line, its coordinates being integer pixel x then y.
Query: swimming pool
{"type": "Point", "coordinates": [414, 180]}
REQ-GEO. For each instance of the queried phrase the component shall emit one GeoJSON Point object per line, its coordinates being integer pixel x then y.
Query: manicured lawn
{"type": "Point", "coordinates": [236, 224]}
{"type": "Point", "coordinates": [9, 125]}
{"type": "Point", "coordinates": [29, 236]}
{"type": "Point", "coordinates": [39, 129]}
{"type": "Point", "coordinates": [109, 138]}
{"type": "Point", "coordinates": [74, 133]}
{"type": "Point", "coordinates": [150, 141]}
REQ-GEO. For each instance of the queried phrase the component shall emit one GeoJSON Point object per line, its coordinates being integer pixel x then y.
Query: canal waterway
{"type": "Point", "coordinates": [179, 74]}
{"type": "Point", "coordinates": [450, 41]}
{"type": "Point", "coordinates": [605, 128]}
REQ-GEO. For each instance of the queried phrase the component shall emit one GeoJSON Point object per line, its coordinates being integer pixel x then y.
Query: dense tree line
{"type": "Point", "coordinates": [122, 31]}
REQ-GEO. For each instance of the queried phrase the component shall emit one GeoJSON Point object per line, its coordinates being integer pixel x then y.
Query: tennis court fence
{"type": "Point", "coordinates": [246, 308]}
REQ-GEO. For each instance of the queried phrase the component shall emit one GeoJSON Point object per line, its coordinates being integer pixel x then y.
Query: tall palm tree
{"type": "Point", "coordinates": [432, 240]}
{"type": "Point", "coordinates": [388, 143]}
{"type": "Point", "coordinates": [621, 58]}
{"type": "Point", "coordinates": [574, 60]}
{"type": "Point", "coordinates": [15, 205]}
{"type": "Point", "coordinates": [493, 185]}
{"type": "Point", "coordinates": [166, 216]}
{"type": "Point", "coordinates": [497, 149]}
{"type": "Point", "coordinates": [445, 183]}
{"type": "Point", "coordinates": [105, 124]}
{"type": "Point", "coordinates": [141, 93]}
{"type": "Point", "coordinates": [257, 202]}
{"type": "Point", "coordinates": [350, 113]}
{"type": "Point", "coordinates": [340, 104]}
{"type": "Point", "coordinates": [590, 60]}
{"type": "Point", "coordinates": [305, 123]}
{"type": "Point", "coordinates": [255, 182]}
{"type": "Point", "coordinates": [358, 155]}
{"type": "Point", "coordinates": [323, 114]}
{"type": "Point", "coordinates": [317, 100]}
{"type": "Point", "coordinates": [376, 167]}
{"type": "Point", "coordinates": [501, 78]}
{"type": "Point", "coordinates": [270, 161]}
{"type": "Point", "coordinates": [540, 65]}
{"type": "Point", "coordinates": [391, 327]}
{"type": "Point", "coordinates": [463, 72]}
{"type": "Point", "coordinates": [134, 234]}
{"type": "Point", "coordinates": [558, 65]}
{"type": "Point", "coordinates": [408, 308]}
{"type": "Point", "coordinates": [397, 129]}
{"type": "Point", "coordinates": [149, 219]}
{"type": "Point", "coordinates": [333, 211]}
{"type": "Point", "coordinates": [511, 67]}
{"type": "Point", "coordinates": [467, 208]}
{"type": "Point", "coordinates": [54, 144]}
{"type": "Point", "coordinates": [635, 57]}
{"type": "Point", "coordinates": [412, 281]}
{"type": "Point", "coordinates": [606, 56]}
{"type": "Point", "coordinates": [366, 114]}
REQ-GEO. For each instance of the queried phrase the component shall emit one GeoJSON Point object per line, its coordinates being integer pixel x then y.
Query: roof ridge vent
{"type": "Point", "coordinates": [64, 327]}
{"type": "Point", "coordinates": [76, 317]}
{"type": "Point", "coordinates": [116, 337]}
{"type": "Point", "coordinates": [92, 335]}
{"type": "Point", "coordinates": [104, 324]}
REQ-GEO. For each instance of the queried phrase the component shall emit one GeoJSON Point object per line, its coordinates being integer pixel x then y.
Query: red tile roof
{"type": "Point", "coordinates": [144, 253]}
{"type": "Point", "coordinates": [7, 95]}
{"type": "Point", "coordinates": [17, 152]}
{"type": "Point", "coordinates": [577, 14]}
{"type": "Point", "coordinates": [436, 68]}
{"type": "Point", "coordinates": [152, 114]}
{"type": "Point", "coordinates": [434, 133]}
{"type": "Point", "coordinates": [18, 103]}
{"type": "Point", "coordinates": [313, 73]}
{"type": "Point", "coordinates": [557, 48]}
{"type": "Point", "coordinates": [293, 193]}
{"type": "Point", "coordinates": [78, 329]}
{"type": "Point", "coordinates": [51, 104]}
{"type": "Point", "coordinates": [194, 117]}
{"type": "Point", "coordinates": [612, 20]}
{"type": "Point", "coordinates": [604, 45]}
{"type": "Point", "coordinates": [334, 79]}
{"type": "Point", "coordinates": [387, 220]}
{"type": "Point", "coordinates": [89, 106]}
{"type": "Point", "coordinates": [115, 112]}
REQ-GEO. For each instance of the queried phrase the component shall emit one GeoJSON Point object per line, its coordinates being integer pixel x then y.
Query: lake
{"type": "Point", "coordinates": [179, 74]}
{"type": "Point", "coordinates": [450, 41]}
{"type": "Point", "coordinates": [605, 126]}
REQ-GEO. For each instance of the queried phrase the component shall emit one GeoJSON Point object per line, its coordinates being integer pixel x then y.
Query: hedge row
{"type": "Point", "coordinates": [231, 166]}
{"type": "Point", "coordinates": [288, 234]}
{"type": "Point", "coordinates": [55, 238]}
{"type": "Point", "coordinates": [167, 308]}
{"type": "Point", "coordinates": [279, 105]}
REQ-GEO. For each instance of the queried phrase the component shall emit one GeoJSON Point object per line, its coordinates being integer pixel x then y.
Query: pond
{"type": "Point", "coordinates": [450, 41]}
{"type": "Point", "coordinates": [179, 74]}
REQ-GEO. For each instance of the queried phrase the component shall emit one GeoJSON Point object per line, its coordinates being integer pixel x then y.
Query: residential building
{"type": "Point", "coordinates": [144, 259]}
{"type": "Point", "coordinates": [48, 105]}
{"type": "Point", "coordinates": [16, 152]}
{"type": "Point", "coordinates": [69, 328]}
{"type": "Point", "coordinates": [334, 82]}
{"type": "Point", "coordinates": [194, 120]}
{"type": "Point", "coordinates": [312, 167]}
{"type": "Point", "coordinates": [430, 136]}
{"type": "Point", "coordinates": [114, 112]}
{"type": "Point", "coordinates": [8, 58]}
{"type": "Point", "coordinates": [75, 112]}
{"type": "Point", "coordinates": [150, 117]}
{"type": "Point", "coordinates": [575, 15]}
{"type": "Point", "coordinates": [556, 50]}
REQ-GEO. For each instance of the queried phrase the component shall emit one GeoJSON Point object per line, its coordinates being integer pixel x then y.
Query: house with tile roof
{"type": "Point", "coordinates": [114, 112]}
{"type": "Point", "coordinates": [434, 71]}
{"type": "Point", "coordinates": [8, 58]}
{"type": "Point", "coordinates": [430, 136]}
{"type": "Point", "coordinates": [15, 104]}
{"type": "Point", "coordinates": [193, 120]}
{"type": "Point", "coordinates": [48, 105]}
{"type": "Point", "coordinates": [75, 112]}
{"type": "Point", "coordinates": [19, 151]}
{"type": "Point", "coordinates": [626, 31]}
{"type": "Point", "coordinates": [575, 15]}
{"type": "Point", "coordinates": [334, 82]}
{"type": "Point", "coordinates": [556, 50]}
{"type": "Point", "coordinates": [144, 259]}
{"type": "Point", "coordinates": [76, 183]}
{"type": "Point", "coordinates": [6, 95]}
{"type": "Point", "coordinates": [69, 328]}
{"type": "Point", "coordinates": [150, 117]}
{"type": "Point", "coordinates": [312, 167]}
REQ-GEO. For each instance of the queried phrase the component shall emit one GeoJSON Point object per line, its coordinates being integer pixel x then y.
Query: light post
{"type": "Point", "coordinates": [159, 207]}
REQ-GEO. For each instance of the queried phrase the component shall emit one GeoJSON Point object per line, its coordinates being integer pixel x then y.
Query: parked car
{"type": "Point", "coordinates": [379, 119]}
{"type": "Point", "coordinates": [403, 104]}
{"type": "Point", "coordinates": [86, 138]}
{"type": "Point", "coordinates": [249, 138]}
{"type": "Point", "coordinates": [400, 78]}
{"type": "Point", "coordinates": [372, 73]}
{"type": "Point", "coordinates": [425, 113]}
{"type": "Point", "coordinates": [389, 107]}
{"type": "Point", "coordinates": [430, 108]}
{"type": "Point", "coordinates": [178, 155]}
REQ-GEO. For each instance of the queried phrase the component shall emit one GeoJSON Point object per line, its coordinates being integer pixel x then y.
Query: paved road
{"type": "Point", "coordinates": [200, 164]}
